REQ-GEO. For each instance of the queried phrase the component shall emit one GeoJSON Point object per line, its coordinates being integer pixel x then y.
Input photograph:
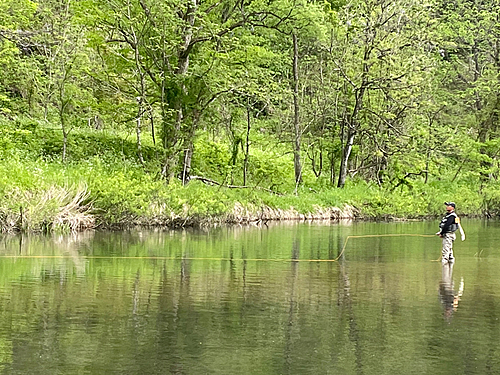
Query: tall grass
{"type": "Point", "coordinates": [40, 196]}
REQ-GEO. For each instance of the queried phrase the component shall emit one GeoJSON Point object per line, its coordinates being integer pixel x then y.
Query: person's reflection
{"type": "Point", "coordinates": [447, 295]}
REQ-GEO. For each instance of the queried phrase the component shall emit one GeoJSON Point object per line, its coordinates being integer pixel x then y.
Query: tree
{"type": "Point", "coordinates": [468, 41]}
{"type": "Point", "coordinates": [377, 53]}
{"type": "Point", "coordinates": [170, 40]}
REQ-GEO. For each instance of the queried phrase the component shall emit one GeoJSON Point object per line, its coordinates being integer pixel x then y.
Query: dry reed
{"type": "Point", "coordinates": [55, 208]}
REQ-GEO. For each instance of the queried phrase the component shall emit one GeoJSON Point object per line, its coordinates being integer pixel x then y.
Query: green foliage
{"type": "Point", "coordinates": [122, 194]}
{"type": "Point", "coordinates": [267, 166]}
{"type": "Point", "coordinates": [211, 159]}
{"type": "Point", "coordinates": [414, 85]}
{"type": "Point", "coordinates": [4, 104]}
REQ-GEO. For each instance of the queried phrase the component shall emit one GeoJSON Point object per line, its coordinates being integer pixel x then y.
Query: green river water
{"type": "Point", "coordinates": [248, 300]}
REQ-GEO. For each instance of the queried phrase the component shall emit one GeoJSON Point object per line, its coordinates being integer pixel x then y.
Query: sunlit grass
{"type": "Point", "coordinates": [102, 184]}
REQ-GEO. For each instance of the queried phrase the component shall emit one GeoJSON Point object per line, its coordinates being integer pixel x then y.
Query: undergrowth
{"type": "Point", "coordinates": [102, 184]}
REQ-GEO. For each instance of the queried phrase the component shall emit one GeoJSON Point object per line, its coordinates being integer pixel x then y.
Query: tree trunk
{"type": "Point", "coordinates": [296, 125]}
{"type": "Point", "coordinates": [318, 172]}
{"type": "Point", "coordinates": [189, 148]}
{"type": "Point", "coordinates": [332, 167]}
{"type": "Point", "coordinates": [345, 157]}
{"type": "Point", "coordinates": [172, 133]}
{"type": "Point", "coordinates": [141, 97]}
{"type": "Point", "coordinates": [62, 108]}
{"type": "Point", "coordinates": [247, 146]}
{"type": "Point", "coordinates": [65, 146]}
{"type": "Point", "coordinates": [188, 156]}
{"type": "Point", "coordinates": [138, 133]}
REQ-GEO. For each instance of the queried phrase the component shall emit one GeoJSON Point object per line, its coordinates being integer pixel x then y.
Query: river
{"type": "Point", "coordinates": [252, 300]}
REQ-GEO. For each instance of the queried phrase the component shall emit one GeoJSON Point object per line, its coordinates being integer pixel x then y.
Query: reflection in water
{"type": "Point", "coordinates": [346, 305]}
{"type": "Point", "coordinates": [123, 307]}
{"type": "Point", "coordinates": [447, 295]}
{"type": "Point", "coordinates": [289, 331]}
{"type": "Point", "coordinates": [70, 246]}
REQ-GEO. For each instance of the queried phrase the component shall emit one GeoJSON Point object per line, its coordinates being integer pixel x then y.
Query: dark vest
{"type": "Point", "coordinates": [452, 227]}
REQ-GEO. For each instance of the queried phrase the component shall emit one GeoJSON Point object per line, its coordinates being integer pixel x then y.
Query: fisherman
{"type": "Point", "coordinates": [448, 226]}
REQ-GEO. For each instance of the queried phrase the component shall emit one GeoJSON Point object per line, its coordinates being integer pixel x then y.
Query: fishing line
{"type": "Point", "coordinates": [381, 235]}
{"type": "Point", "coordinates": [218, 259]}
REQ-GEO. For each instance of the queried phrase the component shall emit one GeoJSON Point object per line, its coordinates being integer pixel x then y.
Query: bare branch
{"type": "Point", "coordinates": [209, 181]}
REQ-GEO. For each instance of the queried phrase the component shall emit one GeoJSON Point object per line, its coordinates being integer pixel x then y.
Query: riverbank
{"type": "Point", "coordinates": [120, 199]}
{"type": "Point", "coordinates": [101, 185]}
{"type": "Point", "coordinates": [58, 209]}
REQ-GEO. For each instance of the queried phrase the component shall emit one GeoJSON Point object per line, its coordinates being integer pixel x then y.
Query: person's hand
{"type": "Point", "coordinates": [463, 237]}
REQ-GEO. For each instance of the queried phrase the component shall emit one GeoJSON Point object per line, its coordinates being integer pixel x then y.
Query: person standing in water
{"type": "Point", "coordinates": [447, 228]}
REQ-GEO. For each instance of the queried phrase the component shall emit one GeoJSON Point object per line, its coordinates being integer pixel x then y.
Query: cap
{"type": "Point", "coordinates": [452, 204]}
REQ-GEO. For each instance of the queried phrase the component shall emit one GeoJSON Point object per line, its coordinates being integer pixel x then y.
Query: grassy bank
{"type": "Point", "coordinates": [38, 195]}
{"type": "Point", "coordinates": [102, 185]}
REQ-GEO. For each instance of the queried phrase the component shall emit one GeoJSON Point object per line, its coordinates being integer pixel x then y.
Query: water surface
{"type": "Point", "coordinates": [252, 300]}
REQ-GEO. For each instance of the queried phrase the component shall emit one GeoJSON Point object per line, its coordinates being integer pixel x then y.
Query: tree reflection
{"type": "Point", "coordinates": [293, 306]}
{"type": "Point", "coordinates": [447, 295]}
